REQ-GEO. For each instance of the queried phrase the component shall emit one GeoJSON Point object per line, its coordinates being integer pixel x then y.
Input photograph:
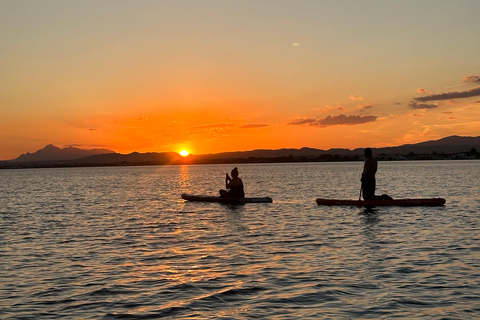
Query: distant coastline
{"type": "Point", "coordinates": [199, 160]}
{"type": "Point", "coordinates": [449, 148]}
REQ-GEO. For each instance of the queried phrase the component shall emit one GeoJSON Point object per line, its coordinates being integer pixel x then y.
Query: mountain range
{"type": "Point", "coordinates": [51, 155]}
{"type": "Point", "coordinates": [448, 145]}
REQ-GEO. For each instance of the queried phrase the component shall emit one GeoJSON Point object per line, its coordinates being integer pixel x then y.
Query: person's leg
{"type": "Point", "coordinates": [368, 195]}
{"type": "Point", "coordinates": [368, 186]}
{"type": "Point", "coordinates": [223, 193]}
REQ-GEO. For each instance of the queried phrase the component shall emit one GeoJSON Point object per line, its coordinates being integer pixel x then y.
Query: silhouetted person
{"type": "Point", "coordinates": [234, 185]}
{"type": "Point", "coordinates": [368, 175]}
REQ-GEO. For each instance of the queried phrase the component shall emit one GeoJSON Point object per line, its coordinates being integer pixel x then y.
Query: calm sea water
{"type": "Point", "coordinates": [120, 243]}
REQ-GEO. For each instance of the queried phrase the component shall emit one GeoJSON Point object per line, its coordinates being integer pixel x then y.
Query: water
{"type": "Point", "coordinates": [120, 243]}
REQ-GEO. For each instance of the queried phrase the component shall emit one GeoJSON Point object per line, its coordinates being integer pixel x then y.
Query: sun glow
{"type": "Point", "coordinates": [184, 153]}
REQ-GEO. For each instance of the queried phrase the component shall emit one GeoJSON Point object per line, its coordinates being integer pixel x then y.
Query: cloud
{"type": "Point", "coordinates": [325, 109]}
{"type": "Point", "coordinates": [214, 126]}
{"type": "Point", "coordinates": [451, 95]}
{"type": "Point", "coordinates": [362, 109]}
{"type": "Point", "coordinates": [422, 90]}
{"type": "Point", "coordinates": [253, 125]}
{"type": "Point", "coordinates": [366, 106]}
{"type": "Point", "coordinates": [352, 97]}
{"type": "Point", "coordinates": [140, 118]}
{"type": "Point", "coordinates": [415, 105]}
{"type": "Point", "coordinates": [210, 128]}
{"type": "Point", "coordinates": [471, 79]}
{"type": "Point", "coordinates": [341, 119]}
{"type": "Point", "coordinates": [302, 122]}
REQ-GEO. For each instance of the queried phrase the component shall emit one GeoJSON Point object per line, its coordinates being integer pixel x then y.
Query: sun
{"type": "Point", "coordinates": [184, 153]}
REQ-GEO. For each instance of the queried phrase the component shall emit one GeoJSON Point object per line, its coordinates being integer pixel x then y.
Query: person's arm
{"type": "Point", "coordinates": [228, 181]}
{"type": "Point", "coordinates": [234, 182]}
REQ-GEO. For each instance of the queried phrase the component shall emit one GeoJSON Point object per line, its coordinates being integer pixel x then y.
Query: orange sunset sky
{"type": "Point", "coordinates": [228, 75]}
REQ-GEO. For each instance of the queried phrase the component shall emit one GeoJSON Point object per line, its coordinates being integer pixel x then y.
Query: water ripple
{"type": "Point", "coordinates": [126, 246]}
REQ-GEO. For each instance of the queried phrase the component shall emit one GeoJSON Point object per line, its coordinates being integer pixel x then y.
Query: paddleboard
{"type": "Point", "coordinates": [204, 198]}
{"type": "Point", "coordinates": [374, 203]}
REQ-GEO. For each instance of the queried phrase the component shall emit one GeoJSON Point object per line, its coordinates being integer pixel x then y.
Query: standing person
{"type": "Point", "coordinates": [368, 175]}
{"type": "Point", "coordinates": [234, 185]}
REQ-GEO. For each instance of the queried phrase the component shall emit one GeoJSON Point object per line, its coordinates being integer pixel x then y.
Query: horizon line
{"type": "Point", "coordinates": [222, 152]}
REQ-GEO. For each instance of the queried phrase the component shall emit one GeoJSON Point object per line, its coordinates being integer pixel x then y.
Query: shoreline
{"type": "Point", "coordinates": [250, 160]}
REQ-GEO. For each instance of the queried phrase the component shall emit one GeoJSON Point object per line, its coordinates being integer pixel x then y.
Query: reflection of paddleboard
{"type": "Point", "coordinates": [373, 203]}
{"type": "Point", "coordinates": [203, 198]}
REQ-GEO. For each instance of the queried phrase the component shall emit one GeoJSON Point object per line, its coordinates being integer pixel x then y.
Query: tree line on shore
{"type": "Point", "coordinates": [211, 159]}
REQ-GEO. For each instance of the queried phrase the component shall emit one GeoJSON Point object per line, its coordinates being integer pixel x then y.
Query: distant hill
{"type": "Point", "coordinates": [132, 158]}
{"type": "Point", "coordinates": [53, 156]}
{"type": "Point", "coordinates": [266, 153]}
{"type": "Point", "coordinates": [53, 153]}
{"type": "Point", "coordinates": [448, 145]}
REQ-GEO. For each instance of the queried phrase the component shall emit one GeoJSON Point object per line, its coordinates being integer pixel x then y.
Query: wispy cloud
{"type": "Point", "coordinates": [471, 79]}
{"type": "Point", "coordinates": [210, 128]}
{"type": "Point", "coordinates": [451, 95]}
{"type": "Point", "coordinates": [221, 127]}
{"type": "Point", "coordinates": [253, 125]}
{"type": "Point", "coordinates": [302, 122]}
{"type": "Point", "coordinates": [214, 126]}
{"type": "Point", "coordinates": [124, 120]}
{"type": "Point", "coordinates": [415, 105]}
{"type": "Point", "coordinates": [352, 97]}
{"type": "Point", "coordinates": [364, 108]}
{"type": "Point", "coordinates": [341, 119]}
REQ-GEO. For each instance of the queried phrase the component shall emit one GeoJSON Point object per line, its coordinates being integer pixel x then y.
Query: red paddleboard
{"type": "Point", "coordinates": [205, 198]}
{"type": "Point", "coordinates": [374, 203]}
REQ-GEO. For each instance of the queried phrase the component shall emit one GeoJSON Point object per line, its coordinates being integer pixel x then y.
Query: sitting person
{"type": "Point", "coordinates": [234, 185]}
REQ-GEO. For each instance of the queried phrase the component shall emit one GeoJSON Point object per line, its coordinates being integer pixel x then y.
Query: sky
{"type": "Point", "coordinates": [214, 76]}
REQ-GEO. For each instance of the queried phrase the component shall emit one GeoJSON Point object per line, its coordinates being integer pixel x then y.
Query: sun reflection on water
{"type": "Point", "coordinates": [184, 179]}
